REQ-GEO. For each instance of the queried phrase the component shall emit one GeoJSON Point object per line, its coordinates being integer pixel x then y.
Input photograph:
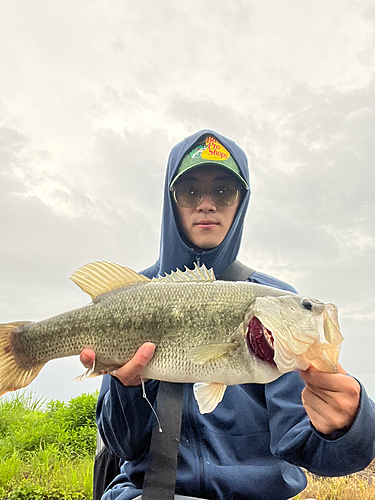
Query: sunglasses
{"type": "Point", "coordinates": [189, 195]}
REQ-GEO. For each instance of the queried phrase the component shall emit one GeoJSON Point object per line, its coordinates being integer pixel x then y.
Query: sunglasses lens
{"type": "Point", "coordinates": [186, 196]}
{"type": "Point", "coordinates": [225, 196]}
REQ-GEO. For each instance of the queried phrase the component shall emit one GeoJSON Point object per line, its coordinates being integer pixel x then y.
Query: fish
{"type": "Point", "coordinates": [207, 332]}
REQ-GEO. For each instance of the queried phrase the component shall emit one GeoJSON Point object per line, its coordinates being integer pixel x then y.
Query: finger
{"type": "Point", "coordinates": [87, 358]}
{"type": "Point", "coordinates": [129, 374]}
{"type": "Point", "coordinates": [143, 356]}
{"type": "Point", "coordinates": [325, 417]}
{"type": "Point", "coordinates": [330, 414]}
{"type": "Point", "coordinates": [313, 403]}
{"type": "Point", "coordinates": [327, 381]}
{"type": "Point", "coordinates": [323, 394]}
{"type": "Point", "coordinates": [316, 411]}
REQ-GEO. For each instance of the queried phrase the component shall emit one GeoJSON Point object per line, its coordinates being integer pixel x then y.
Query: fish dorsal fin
{"type": "Point", "coordinates": [197, 274]}
{"type": "Point", "coordinates": [101, 277]}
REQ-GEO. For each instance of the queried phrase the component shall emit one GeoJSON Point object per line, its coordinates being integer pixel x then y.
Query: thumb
{"type": "Point", "coordinates": [341, 369]}
{"type": "Point", "coordinates": [145, 353]}
{"type": "Point", "coordinates": [87, 358]}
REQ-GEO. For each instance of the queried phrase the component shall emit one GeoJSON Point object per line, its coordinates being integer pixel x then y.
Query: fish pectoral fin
{"type": "Point", "coordinates": [208, 396]}
{"type": "Point", "coordinates": [202, 354]}
{"type": "Point", "coordinates": [13, 376]}
{"type": "Point", "coordinates": [101, 277]}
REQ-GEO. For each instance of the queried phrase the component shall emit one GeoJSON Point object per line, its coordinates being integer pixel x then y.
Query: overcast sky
{"type": "Point", "coordinates": [93, 95]}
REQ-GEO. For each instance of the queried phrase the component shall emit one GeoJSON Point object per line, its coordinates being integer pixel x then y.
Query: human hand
{"type": "Point", "coordinates": [128, 374]}
{"type": "Point", "coordinates": [331, 400]}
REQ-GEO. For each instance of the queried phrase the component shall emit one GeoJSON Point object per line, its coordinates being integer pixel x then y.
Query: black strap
{"type": "Point", "coordinates": [236, 272]}
{"type": "Point", "coordinates": [160, 478]}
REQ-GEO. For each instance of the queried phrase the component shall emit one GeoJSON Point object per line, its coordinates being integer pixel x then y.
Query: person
{"type": "Point", "coordinates": [253, 445]}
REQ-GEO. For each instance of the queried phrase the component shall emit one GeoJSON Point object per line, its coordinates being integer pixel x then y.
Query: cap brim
{"type": "Point", "coordinates": [207, 162]}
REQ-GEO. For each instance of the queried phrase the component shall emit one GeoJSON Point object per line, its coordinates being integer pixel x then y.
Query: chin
{"type": "Point", "coordinates": [206, 245]}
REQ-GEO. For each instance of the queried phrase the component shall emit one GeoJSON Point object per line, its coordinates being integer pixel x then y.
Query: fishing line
{"type": "Point", "coordinates": [152, 408]}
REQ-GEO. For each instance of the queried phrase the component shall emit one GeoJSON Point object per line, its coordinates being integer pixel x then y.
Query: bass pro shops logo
{"type": "Point", "coordinates": [211, 149]}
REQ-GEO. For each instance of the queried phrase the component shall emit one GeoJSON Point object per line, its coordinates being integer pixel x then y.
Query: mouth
{"type": "Point", "coordinates": [206, 223]}
{"type": "Point", "coordinates": [260, 341]}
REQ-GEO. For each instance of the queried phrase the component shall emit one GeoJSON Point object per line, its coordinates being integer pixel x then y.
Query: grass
{"type": "Point", "coordinates": [47, 452]}
{"type": "Point", "coordinates": [47, 449]}
{"type": "Point", "coordinates": [337, 488]}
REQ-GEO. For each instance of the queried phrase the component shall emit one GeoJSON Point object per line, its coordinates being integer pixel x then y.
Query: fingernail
{"type": "Point", "coordinates": [85, 357]}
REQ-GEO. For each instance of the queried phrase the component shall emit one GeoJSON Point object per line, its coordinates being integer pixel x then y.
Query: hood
{"type": "Point", "coordinates": [174, 253]}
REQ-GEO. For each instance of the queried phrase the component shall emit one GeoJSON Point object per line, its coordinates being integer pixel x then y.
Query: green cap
{"type": "Point", "coordinates": [209, 152]}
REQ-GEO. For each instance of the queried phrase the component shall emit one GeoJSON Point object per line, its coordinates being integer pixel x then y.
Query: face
{"type": "Point", "coordinates": [206, 225]}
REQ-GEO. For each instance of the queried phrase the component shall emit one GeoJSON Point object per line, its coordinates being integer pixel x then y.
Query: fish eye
{"type": "Point", "coordinates": [307, 304]}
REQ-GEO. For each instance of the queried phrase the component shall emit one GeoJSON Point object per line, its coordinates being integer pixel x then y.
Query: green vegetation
{"type": "Point", "coordinates": [47, 449]}
{"type": "Point", "coordinates": [338, 488]}
{"type": "Point", "coordinates": [47, 452]}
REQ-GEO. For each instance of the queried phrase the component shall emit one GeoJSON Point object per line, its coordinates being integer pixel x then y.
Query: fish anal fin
{"type": "Point", "coordinates": [13, 376]}
{"type": "Point", "coordinates": [208, 396]}
{"type": "Point", "coordinates": [99, 368]}
{"type": "Point", "coordinates": [209, 352]}
{"type": "Point", "coordinates": [101, 277]}
{"type": "Point", "coordinates": [89, 373]}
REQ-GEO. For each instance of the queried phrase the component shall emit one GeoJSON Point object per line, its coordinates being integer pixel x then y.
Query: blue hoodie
{"type": "Point", "coordinates": [253, 444]}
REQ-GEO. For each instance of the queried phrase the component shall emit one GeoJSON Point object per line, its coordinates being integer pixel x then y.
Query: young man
{"type": "Point", "coordinates": [251, 445]}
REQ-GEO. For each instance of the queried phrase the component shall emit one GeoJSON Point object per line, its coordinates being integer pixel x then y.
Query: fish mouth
{"type": "Point", "coordinates": [260, 341]}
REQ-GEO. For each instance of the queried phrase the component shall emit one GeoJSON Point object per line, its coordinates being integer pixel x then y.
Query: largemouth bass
{"type": "Point", "coordinates": [207, 332]}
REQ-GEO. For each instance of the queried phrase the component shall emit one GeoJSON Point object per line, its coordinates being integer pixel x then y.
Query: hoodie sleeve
{"type": "Point", "coordinates": [295, 440]}
{"type": "Point", "coordinates": [124, 417]}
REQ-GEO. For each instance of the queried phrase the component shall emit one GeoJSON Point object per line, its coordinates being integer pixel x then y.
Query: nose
{"type": "Point", "coordinates": [206, 204]}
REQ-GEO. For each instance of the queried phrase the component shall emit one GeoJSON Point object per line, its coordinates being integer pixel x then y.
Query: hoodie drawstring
{"type": "Point", "coordinates": [198, 259]}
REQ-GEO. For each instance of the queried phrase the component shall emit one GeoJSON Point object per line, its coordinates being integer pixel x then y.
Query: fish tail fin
{"type": "Point", "coordinates": [12, 376]}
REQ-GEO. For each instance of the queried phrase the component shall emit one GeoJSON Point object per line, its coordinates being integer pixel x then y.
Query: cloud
{"type": "Point", "coordinates": [198, 113]}
{"type": "Point", "coordinates": [94, 97]}
{"type": "Point", "coordinates": [311, 219]}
